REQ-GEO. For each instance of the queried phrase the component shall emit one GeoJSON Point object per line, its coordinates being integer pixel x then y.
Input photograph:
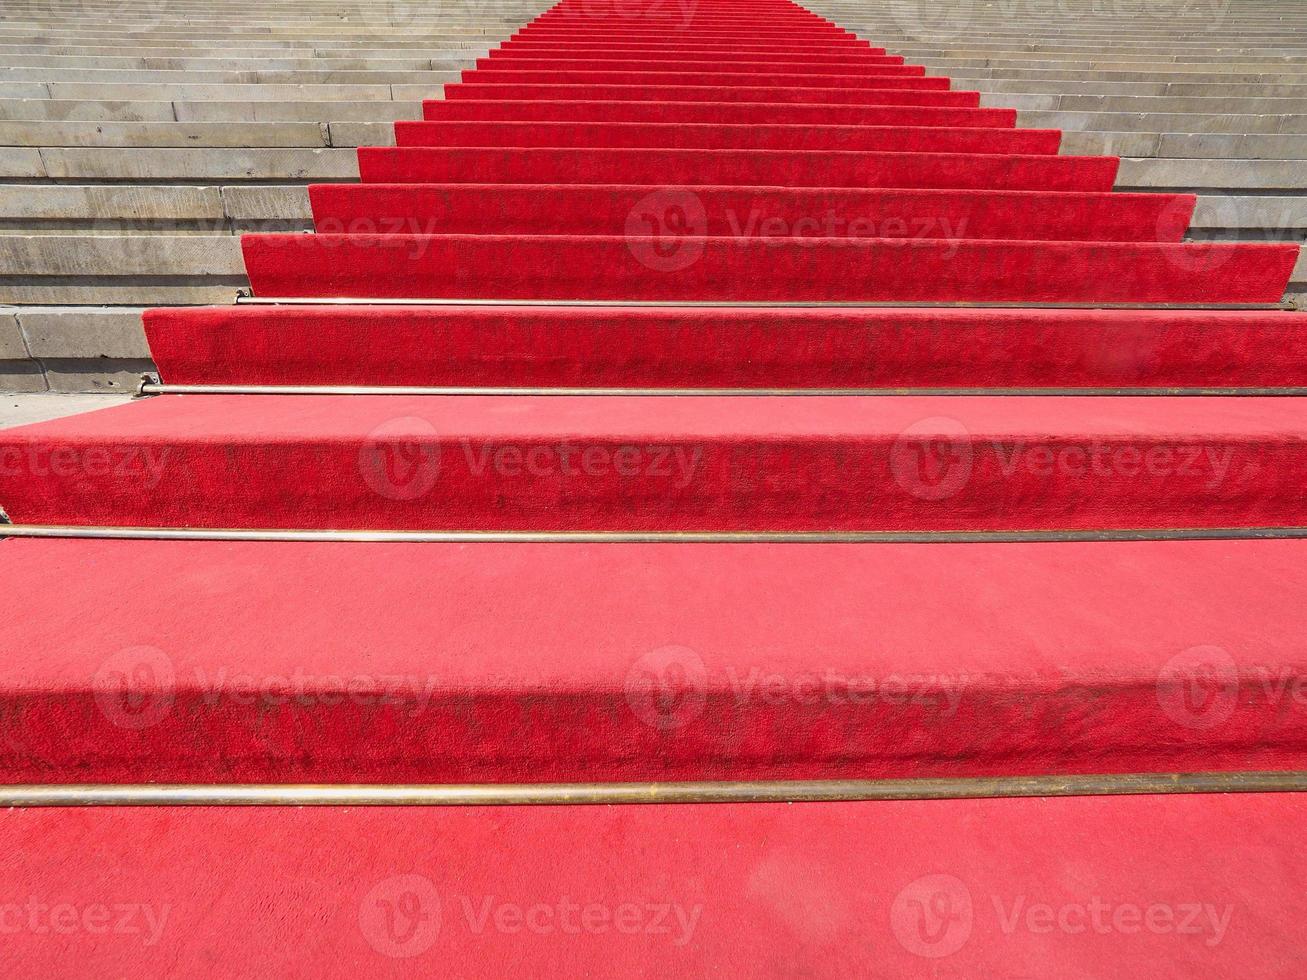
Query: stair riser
{"type": "Point", "coordinates": [697, 348]}
{"type": "Point", "coordinates": [498, 209]}
{"type": "Point", "coordinates": [718, 112]}
{"type": "Point", "coordinates": [709, 93]}
{"type": "Point", "coordinates": [654, 136]}
{"type": "Point", "coordinates": [934, 474]}
{"type": "Point", "coordinates": [776, 168]}
{"type": "Point", "coordinates": [672, 268]}
{"type": "Point", "coordinates": [907, 80]}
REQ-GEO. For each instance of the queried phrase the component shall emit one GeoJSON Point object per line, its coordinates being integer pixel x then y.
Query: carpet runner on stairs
{"type": "Point", "coordinates": [432, 663]}
{"type": "Point", "coordinates": [705, 159]}
{"type": "Point", "coordinates": [1130, 888]}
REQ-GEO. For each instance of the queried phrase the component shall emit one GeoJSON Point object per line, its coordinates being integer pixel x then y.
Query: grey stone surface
{"type": "Point", "coordinates": [363, 133]}
{"type": "Point", "coordinates": [198, 163]}
{"type": "Point", "coordinates": [12, 345]}
{"type": "Point", "coordinates": [105, 205]}
{"type": "Point", "coordinates": [266, 203]}
{"type": "Point", "coordinates": [29, 409]}
{"type": "Point", "coordinates": [133, 149]}
{"type": "Point", "coordinates": [93, 110]}
{"type": "Point", "coordinates": [96, 332]}
{"type": "Point", "coordinates": [274, 111]}
{"type": "Point", "coordinates": [120, 255]}
{"type": "Point", "coordinates": [1242, 174]}
{"type": "Point", "coordinates": [23, 375]}
{"type": "Point", "coordinates": [162, 134]}
{"type": "Point", "coordinates": [20, 161]}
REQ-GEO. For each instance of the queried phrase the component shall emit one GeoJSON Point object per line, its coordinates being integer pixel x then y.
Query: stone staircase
{"type": "Point", "coordinates": [920, 565]}
{"type": "Point", "coordinates": [137, 140]}
{"type": "Point", "coordinates": [157, 133]}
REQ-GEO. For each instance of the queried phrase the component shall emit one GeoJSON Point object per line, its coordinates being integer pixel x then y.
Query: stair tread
{"type": "Point", "coordinates": [820, 661]}
{"type": "Point", "coordinates": [1146, 887]}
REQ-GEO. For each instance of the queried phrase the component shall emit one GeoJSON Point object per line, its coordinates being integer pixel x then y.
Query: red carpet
{"type": "Point", "coordinates": [902, 79]}
{"type": "Point", "coordinates": [602, 154]}
{"type": "Point", "coordinates": [1134, 888]}
{"type": "Point", "coordinates": [719, 112]}
{"type": "Point", "coordinates": [788, 168]}
{"type": "Point", "coordinates": [641, 463]}
{"type": "Point", "coordinates": [222, 662]}
{"type": "Point", "coordinates": [680, 268]}
{"type": "Point", "coordinates": [714, 348]}
{"type": "Point", "coordinates": [768, 213]}
{"type": "Point", "coordinates": [977, 139]}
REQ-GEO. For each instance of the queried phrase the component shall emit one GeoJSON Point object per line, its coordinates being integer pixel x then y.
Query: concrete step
{"type": "Point", "coordinates": [164, 134]}
{"type": "Point", "coordinates": [94, 110]}
{"type": "Point", "coordinates": [444, 71]}
{"type": "Point", "coordinates": [1209, 105]}
{"type": "Point", "coordinates": [192, 164]}
{"type": "Point", "coordinates": [1234, 124]}
{"type": "Point", "coordinates": [119, 269]}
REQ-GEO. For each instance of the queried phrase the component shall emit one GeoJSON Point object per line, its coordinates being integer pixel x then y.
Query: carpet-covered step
{"type": "Point", "coordinates": [769, 213]}
{"type": "Point", "coordinates": [665, 167]}
{"type": "Point", "coordinates": [1137, 888]}
{"type": "Point", "coordinates": [872, 64]}
{"type": "Point", "coordinates": [637, 347]}
{"type": "Point", "coordinates": [667, 264]}
{"type": "Point", "coordinates": [894, 91]}
{"type": "Point", "coordinates": [156, 661]}
{"type": "Point", "coordinates": [910, 80]}
{"type": "Point", "coordinates": [632, 463]}
{"type": "Point", "coordinates": [600, 35]}
{"type": "Point", "coordinates": [784, 60]}
{"type": "Point", "coordinates": [663, 49]}
{"type": "Point", "coordinates": [715, 113]}
{"type": "Point", "coordinates": [721, 136]}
